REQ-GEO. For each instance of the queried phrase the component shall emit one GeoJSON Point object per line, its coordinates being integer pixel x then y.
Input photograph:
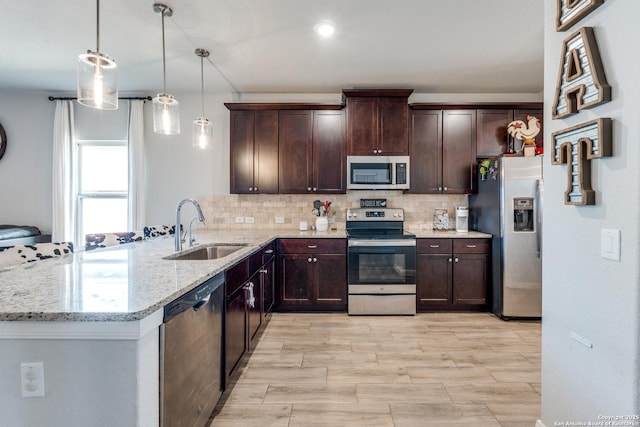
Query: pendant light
{"type": "Point", "coordinates": [166, 115]}
{"type": "Point", "coordinates": [97, 76]}
{"type": "Point", "coordinates": [202, 128]}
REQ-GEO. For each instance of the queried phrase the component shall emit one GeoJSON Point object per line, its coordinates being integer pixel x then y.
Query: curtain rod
{"type": "Point", "coordinates": [72, 98]}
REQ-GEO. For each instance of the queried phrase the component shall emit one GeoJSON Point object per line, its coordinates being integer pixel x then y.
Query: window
{"type": "Point", "coordinates": [102, 187]}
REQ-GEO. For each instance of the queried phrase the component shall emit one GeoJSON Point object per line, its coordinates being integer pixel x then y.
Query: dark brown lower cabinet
{"type": "Point", "coordinates": [250, 289]}
{"type": "Point", "coordinates": [312, 275]}
{"type": "Point", "coordinates": [235, 330]}
{"type": "Point", "coordinates": [452, 274]}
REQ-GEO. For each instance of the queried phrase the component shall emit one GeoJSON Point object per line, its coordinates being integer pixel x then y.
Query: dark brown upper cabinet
{"type": "Point", "coordinates": [312, 152]}
{"type": "Point", "coordinates": [377, 121]}
{"type": "Point", "coordinates": [442, 149]}
{"type": "Point", "coordinates": [492, 137]}
{"type": "Point", "coordinates": [254, 151]}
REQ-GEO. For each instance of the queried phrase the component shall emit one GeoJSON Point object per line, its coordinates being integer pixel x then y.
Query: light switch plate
{"type": "Point", "coordinates": [610, 244]}
{"type": "Point", "coordinates": [279, 220]}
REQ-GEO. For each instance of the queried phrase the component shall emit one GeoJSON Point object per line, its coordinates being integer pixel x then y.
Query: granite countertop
{"type": "Point", "coordinates": [129, 282]}
{"type": "Point", "coordinates": [121, 283]}
{"type": "Point", "coordinates": [449, 234]}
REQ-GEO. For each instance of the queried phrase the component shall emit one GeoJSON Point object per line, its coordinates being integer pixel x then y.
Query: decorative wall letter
{"type": "Point", "coordinates": [581, 82]}
{"type": "Point", "coordinates": [571, 11]}
{"type": "Point", "coordinates": [576, 146]}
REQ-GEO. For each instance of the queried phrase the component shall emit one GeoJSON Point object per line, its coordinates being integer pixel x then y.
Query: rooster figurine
{"type": "Point", "coordinates": [526, 132]}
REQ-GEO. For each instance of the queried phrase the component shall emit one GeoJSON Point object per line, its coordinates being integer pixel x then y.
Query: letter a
{"type": "Point", "coordinates": [581, 81]}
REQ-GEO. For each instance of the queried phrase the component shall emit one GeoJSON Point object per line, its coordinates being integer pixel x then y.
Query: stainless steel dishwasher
{"type": "Point", "coordinates": [190, 355]}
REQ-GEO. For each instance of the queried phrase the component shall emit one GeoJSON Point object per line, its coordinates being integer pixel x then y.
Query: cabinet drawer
{"type": "Point", "coordinates": [312, 246]}
{"type": "Point", "coordinates": [258, 259]}
{"type": "Point", "coordinates": [471, 246]}
{"type": "Point", "coordinates": [434, 246]}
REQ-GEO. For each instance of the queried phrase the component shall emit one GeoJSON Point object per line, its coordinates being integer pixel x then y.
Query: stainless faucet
{"type": "Point", "coordinates": [178, 233]}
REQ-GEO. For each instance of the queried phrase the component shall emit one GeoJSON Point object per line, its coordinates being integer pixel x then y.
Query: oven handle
{"type": "Point", "coordinates": [381, 242]}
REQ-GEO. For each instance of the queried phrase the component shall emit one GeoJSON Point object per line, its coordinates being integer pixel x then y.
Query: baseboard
{"type": "Point", "coordinates": [539, 423]}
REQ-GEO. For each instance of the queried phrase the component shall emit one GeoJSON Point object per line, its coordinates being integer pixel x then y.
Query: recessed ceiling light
{"type": "Point", "coordinates": [325, 28]}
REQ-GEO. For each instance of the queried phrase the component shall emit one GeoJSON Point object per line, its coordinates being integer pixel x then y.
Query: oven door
{"type": "Point", "coordinates": [381, 261]}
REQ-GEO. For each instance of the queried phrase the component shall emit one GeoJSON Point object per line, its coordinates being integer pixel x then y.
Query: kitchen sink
{"type": "Point", "coordinates": [206, 252]}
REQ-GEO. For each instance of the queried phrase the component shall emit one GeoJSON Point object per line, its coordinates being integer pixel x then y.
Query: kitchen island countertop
{"type": "Point", "coordinates": [121, 283]}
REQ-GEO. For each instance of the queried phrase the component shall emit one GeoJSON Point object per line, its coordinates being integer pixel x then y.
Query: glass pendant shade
{"type": "Point", "coordinates": [202, 133]}
{"type": "Point", "coordinates": [97, 81]}
{"type": "Point", "coordinates": [166, 114]}
{"type": "Point", "coordinates": [97, 76]}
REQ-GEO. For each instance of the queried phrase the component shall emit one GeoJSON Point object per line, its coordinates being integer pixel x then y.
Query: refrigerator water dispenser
{"type": "Point", "coordinates": [523, 214]}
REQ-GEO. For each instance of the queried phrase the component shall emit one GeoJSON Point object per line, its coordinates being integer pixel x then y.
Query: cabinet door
{"type": "Point", "coordinates": [426, 151]}
{"type": "Point", "coordinates": [458, 151]}
{"type": "Point", "coordinates": [492, 138]}
{"type": "Point", "coordinates": [295, 284]}
{"type": "Point", "coordinates": [235, 330]}
{"type": "Point", "coordinates": [362, 125]}
{"type": "Point", "coordinates": [433, 281]}
{"type": "Point", "coordinates": [329, 161]}
{"type": "Point", "coordinates": [330, 281]}
{"type": "Point", "coordinates": [295, 137]}
{"type": "Point", "coordinates": [265, 154]}
{"type": "Point", "coordinates": [254, 307]}
{"type": "Point", "coordinates": [393, 116]}
{"type": "Point", "coordinates": [470, 278]}
{"type": "Point", "coordinates": [268, 284]}
{"type": "Point", "coordinates": [241, 151]}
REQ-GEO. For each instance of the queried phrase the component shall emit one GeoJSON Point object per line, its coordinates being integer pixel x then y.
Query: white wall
{"type": "Point", "coordinates": [25, 169]}
{"type": "Point", "coordinates": [584, 294]}
{"type": "Point", "coordinates": [175, 170]}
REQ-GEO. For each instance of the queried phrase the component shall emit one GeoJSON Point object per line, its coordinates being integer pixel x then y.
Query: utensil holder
{"type": "Point", "coordinates": [322, 223]}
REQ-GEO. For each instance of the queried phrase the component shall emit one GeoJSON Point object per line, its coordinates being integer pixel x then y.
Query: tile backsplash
{"type": "Point", "coordinates": [222, 211]}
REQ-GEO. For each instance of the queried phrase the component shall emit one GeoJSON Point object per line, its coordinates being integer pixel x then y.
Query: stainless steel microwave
{"type": "Point", "coordinates": [378, 172]}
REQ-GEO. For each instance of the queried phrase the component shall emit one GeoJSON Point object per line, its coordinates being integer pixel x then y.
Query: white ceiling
{"type": "Point", "coordinates": [432, 46]}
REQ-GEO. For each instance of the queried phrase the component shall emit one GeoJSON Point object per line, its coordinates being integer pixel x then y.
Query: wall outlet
{"type": "Point", "coordinates": [248, 219]}
{"type": "Point", "coordinates": [32, 379]}
{"type": "Point", "coordinates": [239, 220]}
{"type": "Point", "coordinates": [279, 220]}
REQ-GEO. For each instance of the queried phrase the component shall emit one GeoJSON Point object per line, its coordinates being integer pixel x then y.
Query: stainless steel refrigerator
{"type": "Point", "coordinates": [510, 208]}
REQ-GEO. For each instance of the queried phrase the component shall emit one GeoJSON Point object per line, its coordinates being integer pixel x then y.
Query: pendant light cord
{"type": "Point", "coordinates": [164, 65]}
{"type": "Point", "coordinates": [202, 82]}
{"type": "Point", "coordinates": [98, 26]}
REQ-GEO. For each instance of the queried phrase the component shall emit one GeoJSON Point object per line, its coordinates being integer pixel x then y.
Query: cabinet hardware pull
{"type": "Point", "coordinates": [308, 259]}
{"type": "Point", "coordinates": [445, 188]}
{"type": "Point", "coordinates": [315, 260]}
{"type": "Point", "coordinates": [312, 246]}
{"type": "Point", "coordinates": [439, 188]}
{"type": "Point", "coordinates": [308, 188]}
{"type": "Point", "coordinates": [471, 246]}
{"type": "Point", "coordinates": [457, 259]}
{"type": "Point", "coordinates": [315, 188]}
{"type": "Point", "coordinates": [434, 246]}
{"type": "Point", "coordinates": [264, 271]}
{"type": "Point", "coordinates": [449, 260]}
{"type": "Point", "coordinates": [268, 251]}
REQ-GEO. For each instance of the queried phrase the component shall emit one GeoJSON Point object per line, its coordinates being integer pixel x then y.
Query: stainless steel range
{"type": "Point", "coordinates": [381, 263]}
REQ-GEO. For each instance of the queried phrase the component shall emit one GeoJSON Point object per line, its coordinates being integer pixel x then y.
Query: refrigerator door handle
{"type": "Point", "coordinates": [538, 202]}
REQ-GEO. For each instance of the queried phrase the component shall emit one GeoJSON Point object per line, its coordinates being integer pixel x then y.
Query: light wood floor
{"type": "Point", "coordinates": [436, 369]}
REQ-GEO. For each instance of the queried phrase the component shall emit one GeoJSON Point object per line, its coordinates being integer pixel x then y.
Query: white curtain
{"type": "Point", "coordinates": [136, 165]}
{"type": "Point", "coordinates": [64, 200]}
